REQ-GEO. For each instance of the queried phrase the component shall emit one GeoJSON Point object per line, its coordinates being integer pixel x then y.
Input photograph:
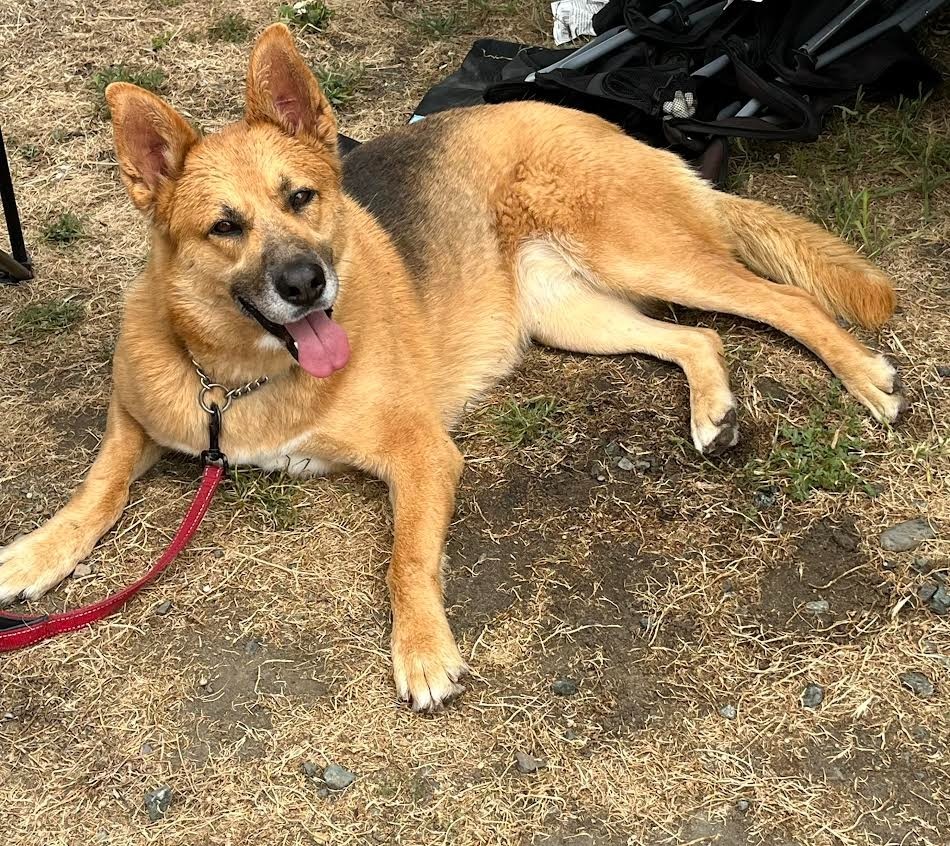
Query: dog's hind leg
{"type": "Point", "coordinates": [33, 564]}
{"type": "Point", "coordinates": [561, 309]}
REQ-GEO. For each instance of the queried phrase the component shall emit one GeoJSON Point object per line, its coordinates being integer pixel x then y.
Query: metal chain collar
{"type": "Point", "coordinates": [230, 394]}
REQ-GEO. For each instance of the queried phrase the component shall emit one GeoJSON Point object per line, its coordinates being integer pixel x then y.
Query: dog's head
{"type": "Point", "coordinates": [246, 221]}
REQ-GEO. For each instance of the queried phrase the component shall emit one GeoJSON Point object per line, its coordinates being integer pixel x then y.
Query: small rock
{"type": "Point", "coordinates": [82, 569]}
{"type": "Point", "coordinates": [812, 696]}
{"type": "Point", "coordinates": [158, 801]}
{"type": "Point", "coordinates": [646, 622]}
{"type": "Point", "coordinates": [907, 535]}
{"type": "Point", "coordinates": [253, 646]}
{"type": "Point", "coordinates": [203, 681]}
{"type": "Point", "coordinates": [918, 684]}
{"type": "Point", "coordinates": [564, 687]}
{"type": "Point", "coordinates": [147, 749]}
{"type": "Point", "coordinates": [218, 553]}
{"type": "Point", "coordinates": [940, 601]}
{"type": "Point", "coordinates": [526, 763]}
{"type": "Point", "coordinates": [817, 606]}
{"type": "Point", "coordinates": [772, 390]}
{"type": "Point", "coordinates": [921, 733]}
{"type": "Point", "coordinates": [729, 712]}
{"type": "Point", "coordinates": [322, 792]}
{"type": "Point", "coordinates": [625, 464]}
{"type": "Point", "coordinates": [728, 587]}
{"type": "Point", "coordinates": [765, 498]}
{"type": "Point", "coordinates": [943, 370]}
{"type": "Point", "coordinates": [337, 778]}
{"type": "Point", "coordinates": [570, 735]}
{"type": "Point", "coordinates": [927, 591]}
{"type": "Point", "coordinates": [742, 806]}
{"type": "Point", "coordinates": [645, 462]}
{"type": "Point", "coordinates": [845, 539]}
{"type": "Point", "coordinates": [598, 472]}
{"type": "Point", "coordinates": [613, 448]}
{"type": "Point", "coordinates": [163, 608]}
{"type": "Point", "coordinates": [922, 564]}
{"type": "Point", "coordinates": [309, 769]}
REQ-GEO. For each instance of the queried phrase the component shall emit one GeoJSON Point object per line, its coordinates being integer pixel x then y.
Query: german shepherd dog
{"type": "Point", "coordinates": [381, 293]}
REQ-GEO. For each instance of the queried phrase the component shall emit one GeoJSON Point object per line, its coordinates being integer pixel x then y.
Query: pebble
{"type": "Point", "coordinates": [845, 539]}
{"type": "Point", "coordinates": [625, 464]}
{"type": "Point", "coordinates": [765, 498]}
{"type": "Point", "coordinates": [907, 535]}
{"type": "Point", "coordinates": [337, 778]}
{"type": "Point", "coordinates": [940, 601]}
{"type": "Point", "coordinates": [564, 687]}
{"type": "Point", "coordinates": [927, 591]}
{"type": "Point", "coordinates": [158, 801]}
{"type": "Point", "coordinates": [309, 769]}
{"type": "Point", "coordinates": [922, 564]}
{"type": "Point", "coordinates": [645, 462]}
{"type": "Point", "coordinates": [943, 370]}
{"type": "Point", "coordinates": [218, 553]}
{"type": "Point", "coordinates": [598, 472]}
{"type": "Point", "coordinates": [646, 622]}
{"type": "Point", "coordinates": [253, 646]}
{"type": "Point", "coordinates": [147, 749]}
{"type": "Point", "coordinates": [82, 569]}
{"type": "Point", "coordinates": [729, 712]}
{"type": "Point", "coordinates": [812, 696]}
{"type": "Point", "coordinates": [163, 608]}
{"type": "Point", "coordinates": [772, 390]}
{"type": "Point", "coordinates": [742, 806]}
{"type": "Point", "coordinates": [613, 448]}
{"type": "Point", "coordinates": [918, 684]}
{"type": "Point", "coordinates": [322, 792]}
{"type": "Point", "coordinates": [818, 606]}
{"type": "Point", "coordinates": [527, 763]}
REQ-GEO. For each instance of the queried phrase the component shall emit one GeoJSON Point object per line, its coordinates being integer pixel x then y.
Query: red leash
{"type": "Point", "coordinates": [17, 631]}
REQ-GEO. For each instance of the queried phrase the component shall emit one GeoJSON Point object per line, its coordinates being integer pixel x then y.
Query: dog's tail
{"type": "Point", "coordinates": [789, 249]}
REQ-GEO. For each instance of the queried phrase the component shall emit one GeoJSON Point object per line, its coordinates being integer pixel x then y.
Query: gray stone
{"type": "Point", "coordinates": [817, 606]}
{"type": "Point", "coordinates": [163, 608]}
{"type": "Point", "coordinates": [907, 535]}
{"type": "Point", "coordinates": [322, 792]}
{"type": "Point", "coordinates": [158, 801]}
{"type": "Point", "coordinates": [253, 646]}
{"type": "Point", "coordinates": [922, 564]}
{"type": "Point", "coordinates": [943, 370]}
{"type": "Point", "coordinates": [527, 763]}
{"type": "Point", "coordinates": [337, 778]}
{"type": "Point", "coordinates": [646, 622]}
{"type": "Point", "coordinates": [772, 390]}
{"type": "Point", "coordinates": [742, 806]}
{"type": "Point", "coordinates": [927, 590]}
{"type": "Point", "coordinates": [564, 687]}
{"type": "Point", "coordinates": [613, 448]}
{"type": "Point", "coordinates": [845, 539]}
{"type": "Point", "coordinates": [940, 601]}
{"type": "Point", "coordinates": [812, 696]}
{"type": "Point", "coordinates": [765, 498]}
{"type": "Point", "coordinates": [625, 464]}
{"type": "Point", "coordinates": [147, 748]}
{"type": "Point", "coordinates": [82, 569]}
{"type": "Point", "coordinates": [729, 712]}
{"type": "Point", "coordinates": [309, 769]}
{"type": "Point", "coordinates": [918, 684]}
{"type": "Point", "coordinates": [598, 471]}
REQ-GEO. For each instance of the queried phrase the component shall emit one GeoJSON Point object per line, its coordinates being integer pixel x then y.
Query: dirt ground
{"type": "Point", "coordinates": [591, 547]}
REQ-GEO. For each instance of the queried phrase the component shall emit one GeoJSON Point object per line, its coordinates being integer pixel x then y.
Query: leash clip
{"type": "Point", "coordinates": [213, 456]}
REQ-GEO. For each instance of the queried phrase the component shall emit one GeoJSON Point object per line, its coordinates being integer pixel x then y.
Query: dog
{"type": "Point", "coordinates": [382, 293]}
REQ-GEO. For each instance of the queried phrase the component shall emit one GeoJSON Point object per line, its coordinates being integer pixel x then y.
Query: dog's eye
{"type": "Point", "coordinates": [226, 227]}
{"type": "Point", "coordinates": [300, 198]}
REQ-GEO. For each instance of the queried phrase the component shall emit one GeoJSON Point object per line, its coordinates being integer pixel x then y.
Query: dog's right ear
{"type": "Point", "coordinates": [151, 141]}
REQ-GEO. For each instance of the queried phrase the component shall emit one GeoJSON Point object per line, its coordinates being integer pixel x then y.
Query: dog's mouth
{"type": "Point", "coordinates": [316, 341]}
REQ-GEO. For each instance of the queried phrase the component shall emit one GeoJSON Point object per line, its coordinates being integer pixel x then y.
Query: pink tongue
{"type": "Point", "coordinates": [322, 345]}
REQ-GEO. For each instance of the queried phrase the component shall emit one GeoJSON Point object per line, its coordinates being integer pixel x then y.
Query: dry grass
{"type": "Point", "coordinates": [667, 591]}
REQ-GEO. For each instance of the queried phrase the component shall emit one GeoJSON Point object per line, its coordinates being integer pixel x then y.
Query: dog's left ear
{"type": "Point", "coordinates": [282, 90]}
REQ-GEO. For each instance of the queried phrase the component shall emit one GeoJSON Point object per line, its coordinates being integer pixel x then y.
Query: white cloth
{"type": "Point", "coordinates": [573, 18]}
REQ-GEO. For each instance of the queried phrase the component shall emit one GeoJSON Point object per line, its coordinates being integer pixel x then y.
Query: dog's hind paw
{"type": "Point", "coordinates": [427, 666]}
{"type": "Point", "coordinates": [711, 437]}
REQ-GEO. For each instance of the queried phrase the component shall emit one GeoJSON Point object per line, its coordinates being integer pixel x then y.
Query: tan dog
{"type": "Point", "coordinates": [442, 249]}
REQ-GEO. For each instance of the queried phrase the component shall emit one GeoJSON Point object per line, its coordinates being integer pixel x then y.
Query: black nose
{"type": "Point", "coordinates": [300, 282]}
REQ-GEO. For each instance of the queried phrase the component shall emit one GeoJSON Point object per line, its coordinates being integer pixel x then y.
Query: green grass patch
{"type": "Point", "coordinates": [271, 496]}
{"type": "Point", "coordinates": [537, 420]}
{"type": "Point", "coordinates": [150, 78]}
{"type": "Point", "coordinates": [65, 229]}
{"type": "Point", "coordinates": [161, 41]}
{"type": "Point", "coordinates": [826, 453]}
{"type": "Point", "coordinates": [441, 24]}
{"type": "Point", "coordinates": [48, 318]}
{"type": "Point", "coordinates": [311, 15]}
{"type": "Point", "coordinates": [232, 28]}
{"type": "Point", "coordinates": [340, 82]}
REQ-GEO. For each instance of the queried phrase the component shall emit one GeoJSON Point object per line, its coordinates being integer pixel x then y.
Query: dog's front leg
{"type": "Point", "coordinates": [422, 480]}
{"type": "Point", "coordinates": [37, 562]}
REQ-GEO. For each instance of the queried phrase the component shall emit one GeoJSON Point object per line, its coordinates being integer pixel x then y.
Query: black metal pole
{"type": "Point", "coordinates": [19, 266]}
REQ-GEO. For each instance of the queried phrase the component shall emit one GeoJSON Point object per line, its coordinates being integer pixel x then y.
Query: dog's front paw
{"type": "Point", "coordinates": [878, 387]}
{"type": "Point", "coordinates": [714, 426]}
{"type": "Point", "coordinates": [36, 563]}
{"type": "Point", "coordinates": [427, 664]}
